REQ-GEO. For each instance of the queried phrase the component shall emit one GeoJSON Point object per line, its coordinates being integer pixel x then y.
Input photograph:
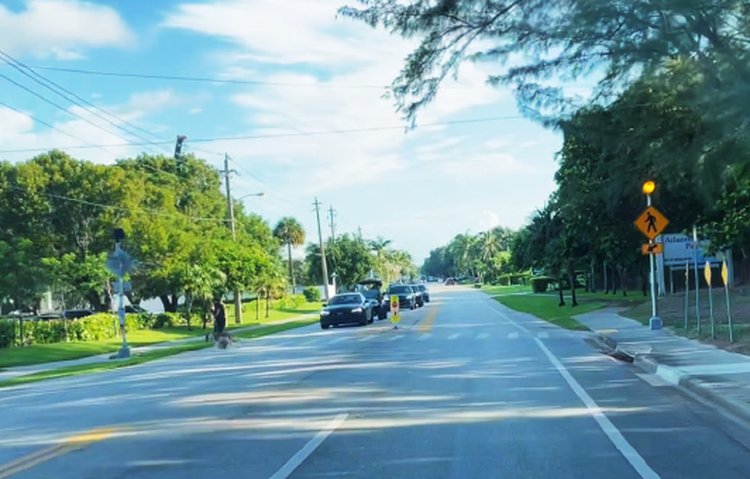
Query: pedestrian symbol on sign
{"type": "Point", "coordinates": [651, 221]}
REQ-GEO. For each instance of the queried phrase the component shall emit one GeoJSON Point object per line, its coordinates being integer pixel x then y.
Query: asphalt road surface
{"type": "Point", "coordinates": [464, 388]}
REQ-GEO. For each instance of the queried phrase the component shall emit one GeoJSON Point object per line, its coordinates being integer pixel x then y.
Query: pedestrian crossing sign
{"type": "Point", "coordinates": [651, 222]}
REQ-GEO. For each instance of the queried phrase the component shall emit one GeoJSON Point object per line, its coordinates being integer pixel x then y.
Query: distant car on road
{"type": "Point", "coordinates": [405, 294]}
{"type": "Point", "coordinates": [450, 282]}
{"type": "Point", "coordinates": [425, 292]}
{"type": "Point", "coordinates": [418, 297]}
{"type": "Point", "coordinates": [346, 308]}
{"type": "Point", "coordinates": [371, 289]}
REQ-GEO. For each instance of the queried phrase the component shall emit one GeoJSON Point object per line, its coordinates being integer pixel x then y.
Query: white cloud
{"type": "Point", "coordinates": [20, 131]}
{"type": "Point", "coordinates": [61, 28]}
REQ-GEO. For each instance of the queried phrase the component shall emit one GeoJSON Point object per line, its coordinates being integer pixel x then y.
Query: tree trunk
{"type": "Point", "coordinates": [165, 302]}
{"type": "Point", "coordinates": [614, 280]}
{"type": "Point", "coordinates": [174, 299]}
{"type": "Point", "coordinates": [291, 268]}
{"type": "Point", "coordinates": [189, 310]}
{"type": "Point", "coordinates": [571, 278]}
{"type": "Point", "coordinates": [560, 290]}
{"type": "Point", "coordinates": [623, 276]}
{"type": "Point", "coordinates": [257, 308]}
{"type": "Point", "coordinates": [606, 282]}
{"type": "Point", "coordinates": [267, 301]}
{"type": "Point", "coordinates": [592, 283]}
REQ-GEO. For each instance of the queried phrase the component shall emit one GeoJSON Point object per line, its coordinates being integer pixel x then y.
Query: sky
{"type": "Point", "coordinates": [307, 75]}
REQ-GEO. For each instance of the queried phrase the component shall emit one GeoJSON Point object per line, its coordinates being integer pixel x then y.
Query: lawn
{"type": "Point", "coordinates": [545, 306]}
{"type": "Point", "coordinates": [502, 290]}
{"type": "Point", "coordinates": [45, 353]}
{"type": "Point", "coordinates": [672, 312]}
{"type": "Point", "coordinates": [148, 356]}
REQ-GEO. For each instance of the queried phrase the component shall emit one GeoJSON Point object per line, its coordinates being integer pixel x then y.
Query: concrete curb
{"type": "Point", "coordinates": [689, 384]}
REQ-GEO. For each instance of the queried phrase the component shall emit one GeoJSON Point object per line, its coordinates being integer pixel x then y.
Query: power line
{"type": "Point", "coordinates": [120, 208]}
{"type": "Point", "coordinates": [196, 79]}
{"type": "Point", "coordinates": [286, 135]}
{"type": "Point", "coordinates": [73, 98]}
{"type": "Point", "coordinates": [51, 126]}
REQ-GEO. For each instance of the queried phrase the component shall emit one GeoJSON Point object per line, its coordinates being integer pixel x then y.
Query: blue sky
{"type": "Point", "coordinates": [315, 73]}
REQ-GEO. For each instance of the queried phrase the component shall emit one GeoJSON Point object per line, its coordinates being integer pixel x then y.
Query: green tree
{"type": "Point", "coordinates": [289, 231]}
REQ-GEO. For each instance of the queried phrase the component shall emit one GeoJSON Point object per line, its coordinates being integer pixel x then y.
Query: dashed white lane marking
{"type": "Point", "coordinates": [454, 336]}
{"type": "Point", "coordinates": [543, 335]}
{"type": "Point", "coordinates": [424, 337]}
{"type": "Point", "coordinates": [483, 335]}
{"type": "Point", "coordinates": [513, 335]}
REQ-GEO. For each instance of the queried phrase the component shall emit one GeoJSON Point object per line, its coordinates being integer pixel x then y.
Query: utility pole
{"type": "Point", "coordinates": [359, 232]}
{"type": "Point", "coordinates": [230, 214]}
{"type": "Point", "coordinates": [331, 215]}
{"type": "Point", "coordinates": [322, 250]}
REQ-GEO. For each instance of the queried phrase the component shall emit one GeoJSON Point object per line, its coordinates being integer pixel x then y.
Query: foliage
{"type": "Point", "coordinates": [312, 294]}
{"type": "Point", "coordinates": [485, 255]}
{"type": "Point", "coordinates": [91, 328]}
{"type": "Point", "coordinates": [291, 302]}
{"type": "Point", "coordinates": [540, 284]}
{"type": "Point", "coordinates": [291, 233]}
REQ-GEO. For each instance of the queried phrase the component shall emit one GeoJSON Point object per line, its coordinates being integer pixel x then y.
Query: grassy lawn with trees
{"type": "Point", "coordinates": [137, 359]}
{"type": "Point", "coordinates": [45, 353]}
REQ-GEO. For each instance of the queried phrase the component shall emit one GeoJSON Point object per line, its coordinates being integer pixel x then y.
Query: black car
{"type": "Point", "coordinates": [418, 297]}
{"type": "Point", "coordinates": [371, 289]}
{"type": "Point", "coordinates": [425, 292]}
{"type": "Point", "coordinates": [346, 308]}
{"type": "Point", "coordinates": [406, 297]}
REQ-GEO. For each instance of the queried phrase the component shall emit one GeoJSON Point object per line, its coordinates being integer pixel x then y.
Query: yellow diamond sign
{"type": "Point", "coordinates": [651, 222]}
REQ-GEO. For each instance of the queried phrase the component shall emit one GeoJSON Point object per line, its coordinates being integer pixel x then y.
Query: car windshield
{"type": "Point", "coordinates": [345, 299]}
{"type": "Point", "coordinates": [400, 289]}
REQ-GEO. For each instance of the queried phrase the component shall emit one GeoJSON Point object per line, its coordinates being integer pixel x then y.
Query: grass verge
{"type": "Point", "coordinates": [545, 306]}
{"type": "Point", "coordinates": [69, 371]}
{"type": "Point", "coordinates": [47, 353]}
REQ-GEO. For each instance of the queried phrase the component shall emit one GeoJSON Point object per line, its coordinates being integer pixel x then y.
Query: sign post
{"type": "Point", "coordinates": [707, 275]}
{"type": "Point", "coordinates": [687, 293]}
{"type": "Point", "coordinates": [697, 281]}
{"type": "Point", "coordinates": [651, 223]}
{"type": "Point", "coordinates": [120, 263]}
{"type": "Point", "coordinates": [725, 279]}
{"type": "Point", "coordinates": [395, 316]}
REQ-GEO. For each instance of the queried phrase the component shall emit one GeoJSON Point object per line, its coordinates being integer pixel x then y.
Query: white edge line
{"type": "Point", "coordinates": [295, 461]}
{"type": "Point", "coordinates": [614, 435]}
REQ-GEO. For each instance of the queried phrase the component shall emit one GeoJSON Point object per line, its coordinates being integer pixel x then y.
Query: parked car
{"type": "Point", "coordinates": [418, 297]}
{"type": "Point", "coordinates": [346, 308]}
{"type": "Point", "coordinates": [371, 289]}
{"type": "Point", "coordinates": [406, 297]}
{"type": "Point", "coordinates": [450, 282]}
{"type": "Point", "coordinates": [133, 309]}
{"type": "Point", "coordinates": [67, 314]}
{"type": "Point", "coordinates": [425, 292]}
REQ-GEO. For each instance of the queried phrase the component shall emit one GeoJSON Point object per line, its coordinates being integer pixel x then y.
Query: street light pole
{"type": "Point", "coordinates": [655, 321]}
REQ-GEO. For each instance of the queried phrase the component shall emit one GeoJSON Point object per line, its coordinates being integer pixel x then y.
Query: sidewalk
{"type": "Point", "coordinates": [9, 373]}
{"type": "Point", "coordinates": [720, 377]}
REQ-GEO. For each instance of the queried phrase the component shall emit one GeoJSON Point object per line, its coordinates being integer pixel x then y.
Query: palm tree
{"type": "Point", "coordinates": [290, 231]}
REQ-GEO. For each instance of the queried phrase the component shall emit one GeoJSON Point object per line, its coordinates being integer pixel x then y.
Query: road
{"type": "Point", "coordinates": [465, 388]}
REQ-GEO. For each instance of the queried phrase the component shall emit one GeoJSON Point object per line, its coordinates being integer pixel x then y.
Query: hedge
{"type": "Point", "coordinates": [292, 301]}
{"type": "Point", "coordinates": [91, 328]}
{"type": "Point", "coordinates": [312, 294]}
{"type": "Point", "coordinates": [515, 278]}
{"type": "Point", "coordinates": [540, 284]}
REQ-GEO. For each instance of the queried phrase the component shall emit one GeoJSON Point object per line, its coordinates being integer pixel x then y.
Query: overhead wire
{"type": "Point", "coordinates": [289, 135]}
{"type": "Point", "coordinates": [123, 209]}
{"type": "Point", "coordinates": [77, 100]}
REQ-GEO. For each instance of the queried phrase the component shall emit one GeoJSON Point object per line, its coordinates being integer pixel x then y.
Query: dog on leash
{"type": "Point", "coordinates": [221, 340]}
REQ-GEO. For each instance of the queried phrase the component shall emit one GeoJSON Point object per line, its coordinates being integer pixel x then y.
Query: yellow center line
{"type": "Point", "coordinates": [426, 325]}
{"type": "Point", "coordinates": [72, 443]}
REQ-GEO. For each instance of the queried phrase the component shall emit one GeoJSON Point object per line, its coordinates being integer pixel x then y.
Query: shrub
{"type": "Point", "coordinates": [293, 301]}
{"type": "Point", "coordinates": [312, 294]}
{"type": "Point", "coordinates": [165, 320]}
{"type": "Point", "coordinates": [540, 284]}
{"type": "Point", "coordinates": [7, 333]}
{"type": "Point", "coordinates": [477, 285]}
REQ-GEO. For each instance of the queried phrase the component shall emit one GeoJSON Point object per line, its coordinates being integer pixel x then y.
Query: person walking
{"type": "Point", "coordinates": [220, 318]}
